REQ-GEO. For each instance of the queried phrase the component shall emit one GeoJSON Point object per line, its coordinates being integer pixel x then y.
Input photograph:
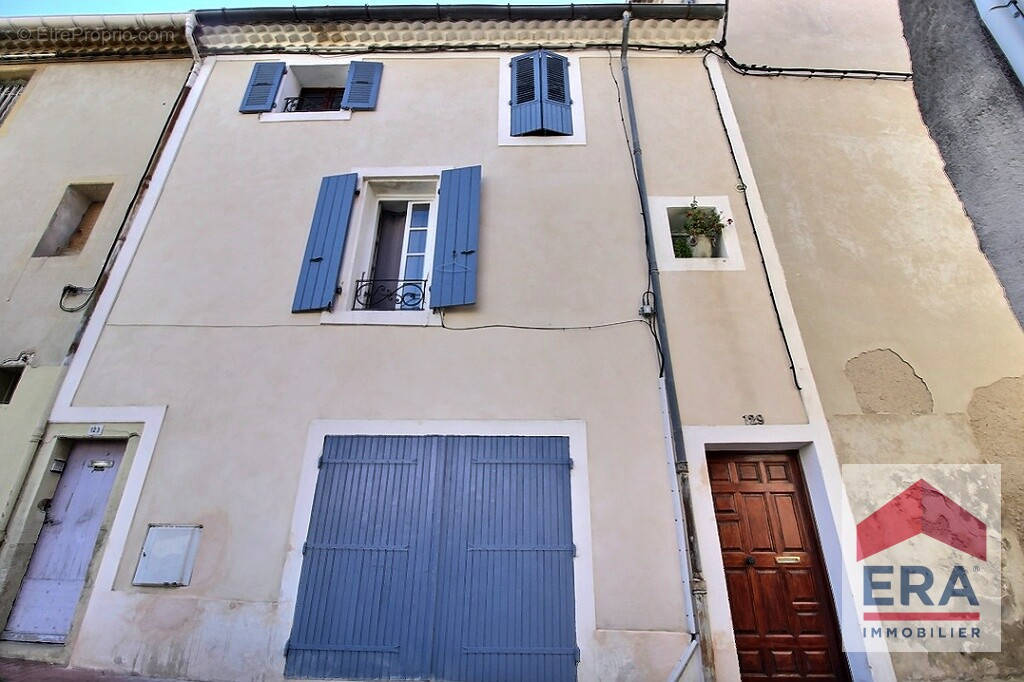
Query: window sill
{"type": "Point", "coordinates": [398, 318]}
{"type": "Point", "coordinates": [722, 264]}
{"type": "Point", "coordinates": [271, 117]}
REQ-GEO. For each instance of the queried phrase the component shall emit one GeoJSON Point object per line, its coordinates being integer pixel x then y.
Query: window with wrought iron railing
{"type": "Point", "coordinates": [10, 90]}
{"type": "Point", "coordinates": [315, 99]}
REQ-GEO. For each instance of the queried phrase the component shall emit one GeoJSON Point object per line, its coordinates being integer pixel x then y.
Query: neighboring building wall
{"type": "Point", "coordinates": [203, 325]}
{"type": "Point", "coordinates": [973, 103]}
{"type": "Point", "coordinates": [917, 356]}
{"type": "Point", "coordinates": [92, 122]}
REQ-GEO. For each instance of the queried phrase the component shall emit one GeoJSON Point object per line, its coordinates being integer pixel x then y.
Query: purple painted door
{"type": "Point", "coordinates": [56, 573]}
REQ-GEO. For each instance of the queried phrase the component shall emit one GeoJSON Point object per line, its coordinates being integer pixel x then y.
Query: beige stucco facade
{"type": "Point", "coordinates": [860, 323]}
{"type": "Point", "coordinates": [74, 123]}
{"type": "Point", "coordinates": [915, 351]}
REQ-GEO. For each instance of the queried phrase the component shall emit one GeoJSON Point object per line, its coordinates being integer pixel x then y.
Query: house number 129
{"type": "Point", "coordinates": [753, 419]}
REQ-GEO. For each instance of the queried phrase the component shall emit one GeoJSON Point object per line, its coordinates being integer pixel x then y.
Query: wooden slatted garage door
{"type": "Point", "coordinates": [438, 556]}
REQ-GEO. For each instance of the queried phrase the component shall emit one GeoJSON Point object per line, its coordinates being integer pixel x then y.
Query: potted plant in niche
{"type": "Point", "coordinates": [696, 230]}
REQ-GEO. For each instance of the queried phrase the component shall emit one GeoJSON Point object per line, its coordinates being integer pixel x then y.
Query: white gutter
{"type": "Point", "coordinates": [190, 38]}
{"type": "Point", "coordinates": [1004, 19]}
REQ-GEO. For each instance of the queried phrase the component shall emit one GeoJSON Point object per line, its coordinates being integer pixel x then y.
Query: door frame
{"type": "Point", "coordinates": [574, 430]}
{"type": "Point", "coordinates": [828, 505]}
{"type": "Point", "coordinates": [27, 521]}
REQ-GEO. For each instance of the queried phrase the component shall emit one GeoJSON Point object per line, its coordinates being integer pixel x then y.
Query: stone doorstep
{"type": "Point", "coordinates": [17, 670]}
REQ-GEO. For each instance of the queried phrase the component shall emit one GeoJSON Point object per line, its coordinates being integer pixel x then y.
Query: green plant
{"type": "Point", "coordinates": [698, 220]}
{"type": "Point", "coordinates": [694, 221]}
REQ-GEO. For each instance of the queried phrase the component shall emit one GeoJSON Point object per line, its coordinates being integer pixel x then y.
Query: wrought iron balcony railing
{"type": "Point", "coordinates": [390, 294]}
{"type": "Point", "coordinates": [318, 102]}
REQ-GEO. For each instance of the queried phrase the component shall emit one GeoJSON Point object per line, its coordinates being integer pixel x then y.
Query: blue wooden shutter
{"type": "Point", "coordinates": [321, 264]}
{"type": "Point", "coordinates": [262, 89]}
{"type": "Point", "coordinates": [362, 86]}
{"type": "Point", "coordinates": [453, 277]}
{"type": "Point", "coordinates": [506, 605]}
{"type": "Point", "coordinates": [366, 591]}
{"type": "Point", "coordinates": [526, 94]}
{"type": "Point", "coordinates": [556, 103]}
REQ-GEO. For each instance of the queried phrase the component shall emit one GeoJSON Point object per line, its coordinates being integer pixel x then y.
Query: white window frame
{"type": "Point", "coordinates": [579, 127]}
{"type": "Point", "coordinates": [290, 87]}
{"type": "Point", "coordinates": [663, 250]}
{"type": "Point", "coordinates": [359, 247]}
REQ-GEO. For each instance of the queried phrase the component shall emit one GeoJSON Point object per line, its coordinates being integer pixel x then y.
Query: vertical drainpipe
{"type": "Point", "coordinates": [666, 383]}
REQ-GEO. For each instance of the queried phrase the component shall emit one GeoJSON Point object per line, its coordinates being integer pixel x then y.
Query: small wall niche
{"type": "Point", "coordinates": [10, 375]}
{"type": "Point", "coordinates": [673, 251]}
{"type": "Point", "coordinates": [72, 222]}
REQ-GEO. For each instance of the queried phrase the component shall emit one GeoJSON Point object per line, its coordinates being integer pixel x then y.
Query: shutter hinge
{"type": "Point", "coordinates": [356, 192]}
{"type": "Point", "coordinates": [571, 464]}
{"type": "Point", "coordinates": [577, 655]}
{"type": "Point", "coordinates": [305, 545]}
{"type": "Point", "coordinates": [288, 646]}
{"type": "Point", "coordinates": [320, 462]}
{"type": "Point", "coordinates": [574, 550]}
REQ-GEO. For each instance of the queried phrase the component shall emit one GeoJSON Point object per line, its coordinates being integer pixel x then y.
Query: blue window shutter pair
{"type": "Point", "coordinates": [453, 279]}
{"type": "Point", "coordinates": [361, 87]}
{"type": "Point", "coordinates": [438, 557]}
{"type": "Point", "coordinates": [540, 101]}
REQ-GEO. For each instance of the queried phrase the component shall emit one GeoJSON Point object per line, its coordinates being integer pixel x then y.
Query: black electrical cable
{"type": "Point", "coordinates": [648, 297]}
{"type": "Point", "coordinates": [74, 290]}
{"type": "Point", "coordinates": [742, 187]}
{"type": "Point", "coordinates": [600, 325]}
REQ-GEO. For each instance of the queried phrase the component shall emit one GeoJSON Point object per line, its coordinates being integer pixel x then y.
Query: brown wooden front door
{"type": "Point", "coordinates": [782, 612]}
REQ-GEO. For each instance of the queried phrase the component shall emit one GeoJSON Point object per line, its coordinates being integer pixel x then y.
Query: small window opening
{"type": "Point", "coordinates": [10, 90]}
{"type": "Point", "coordinates": [692, 233]}
{"type": "Point", "coordinates": [73, 221]}
{"type": "Point", "coordinates": [9, 378]}
{"type": "Point", "coordinates": [315, 99]}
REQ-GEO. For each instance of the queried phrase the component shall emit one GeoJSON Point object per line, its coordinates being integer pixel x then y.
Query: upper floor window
{"type": "Point", "coordinates": [294, 92]}
{"type": "Point", "coordinates": [10, 90]}
{"type": "Point", "coordinates": [541, 100]}
{"type": "Point", "coordinates": [388, 248]}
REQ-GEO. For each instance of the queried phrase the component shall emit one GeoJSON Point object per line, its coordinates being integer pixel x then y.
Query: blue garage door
{"type": "Point", "coordinates": [446, 557]}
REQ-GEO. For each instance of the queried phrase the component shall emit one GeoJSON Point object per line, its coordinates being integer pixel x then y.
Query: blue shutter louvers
{"type": "Point", "coordinates": [362, 86]}
{"type": "Point", "coordinates": [453, 277]}
{"type": "Point", "coordinates": [469, 577]}
{"type": "Point", "coordinates": [321, 264]}
{"type": "Point", "coordinates": [261, 91]}
{"type": "Point", "coordinates": [540, 102]}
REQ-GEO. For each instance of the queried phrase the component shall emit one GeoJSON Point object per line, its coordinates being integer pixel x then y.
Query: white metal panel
{"type": "Point", "coordinates": [168, 555]}
{"type": "Point", "coordinates": [45, 606]}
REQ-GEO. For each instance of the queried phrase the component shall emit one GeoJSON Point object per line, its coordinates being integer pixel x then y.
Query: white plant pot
{"type": "Point", "coordinates": [701, 246]}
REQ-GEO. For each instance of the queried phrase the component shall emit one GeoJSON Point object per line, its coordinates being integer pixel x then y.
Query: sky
{"type": "Point", "coordinates": [16, 8]}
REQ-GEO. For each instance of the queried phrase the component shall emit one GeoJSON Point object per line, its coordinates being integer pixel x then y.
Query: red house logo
{"type": "Point", "coordinates": [921, 508]}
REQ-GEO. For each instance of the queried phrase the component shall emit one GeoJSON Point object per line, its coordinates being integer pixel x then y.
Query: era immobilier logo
{"type": "Point", "coordinates": [926, 542]}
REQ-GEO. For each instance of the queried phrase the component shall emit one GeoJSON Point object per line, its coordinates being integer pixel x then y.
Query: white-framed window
{"type": "Point", "coordinates": [310, 92]}
{"type": "Point", "coordinates": [386, 270]}
{"type": "Point", "coordinates": [302, 88]}
{"type": "Point", "coordinates": [536, 77]}
{"type": "Point", "coordinates": [666, 215]}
